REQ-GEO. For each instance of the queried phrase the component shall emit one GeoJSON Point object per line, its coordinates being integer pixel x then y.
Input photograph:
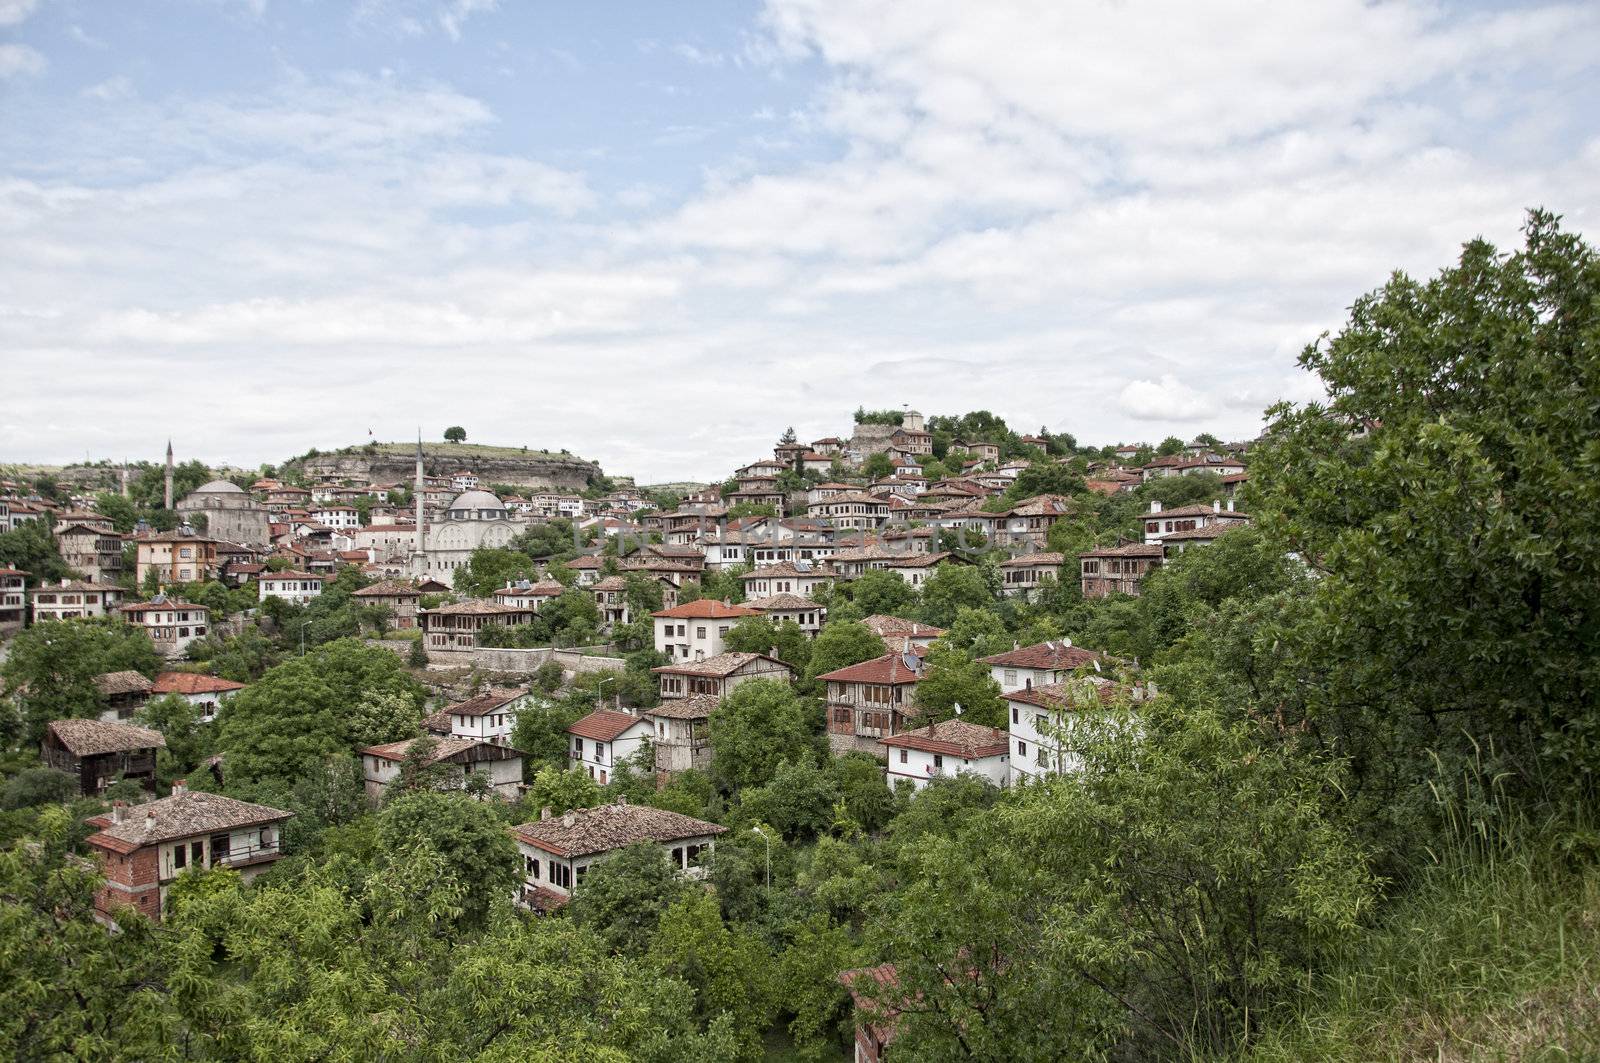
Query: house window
{"type": "Point", "coordinates": [699, 632]}
{"type": "Point", "coordinates": [1014, 714]}
{"type": "Point", "coordinates": [938, 762]}
{"type": "Point", "coordinates": [1011, 676]}
{"type": "Point", "coordinates": [903, 756]}
{"type": "Point", "coordinates": [1040, 723]}
{"type": "Point", "coordinates": [1022, 748]}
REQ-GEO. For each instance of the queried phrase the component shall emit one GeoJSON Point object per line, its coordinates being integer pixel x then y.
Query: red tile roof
{"type": "Point", "coordinates": [705, 609]}
{"type": "Point", "coordinates": [889, 669]}
{"type": "Point", "coordinates": [192, 683]}
{"type": "Point", "coordinates": [605, 725]}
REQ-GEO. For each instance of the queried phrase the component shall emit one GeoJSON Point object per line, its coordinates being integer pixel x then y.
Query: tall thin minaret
{"type": "Point", "coordinates": [418, 492]}
{"type": "Point", "coordinates": [167, 494]}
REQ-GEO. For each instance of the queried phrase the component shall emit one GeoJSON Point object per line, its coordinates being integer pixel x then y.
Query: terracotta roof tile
{"type": "Point", "coordinates": [604, 725]}
{"type": "Point", "coordinates": [720, 666]}
{"type": "Point", "coordinates": [889, 669]}
{"type": "Point", "coordinates": [705, 609]}
{"type": "Point", "coordinates": [192, 683]}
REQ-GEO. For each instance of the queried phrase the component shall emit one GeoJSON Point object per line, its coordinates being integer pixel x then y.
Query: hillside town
{"type": "Point", "coordinates": [799, 531]}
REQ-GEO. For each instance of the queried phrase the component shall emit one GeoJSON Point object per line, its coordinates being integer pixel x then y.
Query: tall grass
{"type": "Point", "coordinates": [1492, 953]}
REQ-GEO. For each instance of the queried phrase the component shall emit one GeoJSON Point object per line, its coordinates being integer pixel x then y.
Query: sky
{"type": "Point", "coordinates": [658, 234]}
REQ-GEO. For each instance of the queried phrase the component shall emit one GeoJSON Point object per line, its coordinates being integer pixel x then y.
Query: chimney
{"type": "Point", "coordinates": [149, 818]}
{"type": "Point", "coordinates": [1230, 505]}
{"type": "Point", "coordinates": [119, 809]}
{"type": "Point", "coordinates": [544, 813]}
{"type": "Point", "coordinates": [1155, 506]}
{"type": "Point", "coordinates": [179, 786]}
{"type": "Point", "coordinates": [1216, 506]}
{"type": "Point", "coordinates": [622, 799]}
{"type": "Point", "coordinates": [568, 820]}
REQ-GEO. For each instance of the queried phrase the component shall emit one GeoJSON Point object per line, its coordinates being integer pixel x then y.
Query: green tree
{"type": "Point", "coordinates": [69, 984]}
{"type": "Point", "coordinates": [1179, 887]}
{"type": "Point", "coordinates": [490, 568]}
{"type": "Point", "coordinates": [417, 656]}
{"type": "Point", "coordinates": [808, 979]}
{"type": "Point", "coordinates": [455, 434]}
{"type": "Point", "coordinates": [729, 970]}
{"type": "Point", "coordinates": [758, 726]}
{"type": "Point", "coordinates": [952, 588]}
{"type": "Point", "coordinates": [31, 548]}
{"type": "Point", "coordinates": [50, 667]}
{"type": "Point", "coordinates": [467, 834]}
{"type": "Point", "coordinates": [954, 678]}
{"type": "Point", "coordinates": [339, 696]}
{"type": "Point", "coordinates": [877, 467]}
{"type": "Point", "coordinates": [1042, 479]}
{"type": "Point", "coordinates": [797, 799]}
{"type": "Point", "coordinates": [560, 790]}
{"type": "Point", "coordinates": [758, 634]}
{"type": "Point", "coordinates": [1441, 494]}
{"type": "Point", "coordinates": [624, 895]}
{"type": "Point", "coordinates": [118, 510]}
{"type": "Point", "coordinates": [881, 593]}
{"type": "Point", "coordinates": [1170, 445]}
{"type": "Point", "coordinates": [840, 644]}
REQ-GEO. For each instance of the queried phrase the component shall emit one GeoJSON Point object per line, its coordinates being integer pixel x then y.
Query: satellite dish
{"type": "Point", "coordinates": [1066, 644]}
{"type": "Point", "coordinates": [911, 661]}
{"type": "Point", "coordinates": [958, 708]}
{"type": "Point", "coordinates": [1096, 666]}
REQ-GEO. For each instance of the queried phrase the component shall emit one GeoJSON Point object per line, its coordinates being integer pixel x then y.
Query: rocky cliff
{"type": "Point", "coordinates": [389, 463]}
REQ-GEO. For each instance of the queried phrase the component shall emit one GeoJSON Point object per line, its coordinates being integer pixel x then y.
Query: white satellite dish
{"type": "Point", "coordinates": [911, 661]}
{"type": "Point", "coordinates": [958, 708]}
{"type": "Point", "coordinates": [1066, 644]}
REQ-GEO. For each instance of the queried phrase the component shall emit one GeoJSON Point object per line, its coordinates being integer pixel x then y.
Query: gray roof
{"type": "Point", "coordinates": [586, 831]}
{"type": "Point", "coordinates": [87, 738]}
{"type": "Point", "coordinates": [182, 815]}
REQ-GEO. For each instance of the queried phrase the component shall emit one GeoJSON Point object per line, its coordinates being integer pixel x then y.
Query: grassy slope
{"type": "Point", "coordinates": [1494, 958]}
{"type": "Point", "coordinates": [462, 450]}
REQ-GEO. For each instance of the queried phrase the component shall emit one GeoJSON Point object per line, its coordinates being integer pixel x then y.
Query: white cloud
{"type": "Point", "coordinates": [457, 12]}
{"type": "Point", "coordinates": [119, 87]}
{"type": "Point", "coordinates": [1116, 220]}
{"type": "Point", "coordinates": [13, 12]}
{"type": "Point", "coordinates": [1167, 399]}
{"type": "Point", "coordinates": [18, 60]}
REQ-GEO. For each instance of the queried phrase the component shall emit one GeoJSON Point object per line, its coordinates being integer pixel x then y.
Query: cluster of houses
{"type": "Point", "coordinates": [825, 532]}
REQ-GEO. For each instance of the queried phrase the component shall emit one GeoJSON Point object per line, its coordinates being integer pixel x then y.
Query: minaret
{"type": "Point", "coordinates": [418, 493]}
{"type": "Point", "coordinates": [167, 494]}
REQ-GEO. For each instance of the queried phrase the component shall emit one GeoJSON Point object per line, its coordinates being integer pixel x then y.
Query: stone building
{"type": "Point", "coordinates": [230, 513]}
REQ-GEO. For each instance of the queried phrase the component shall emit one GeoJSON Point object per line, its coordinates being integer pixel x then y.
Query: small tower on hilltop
{"type": "Point", "coordinates": [166, 495]}
{"type": "Point", "coordinates": [911, 421]}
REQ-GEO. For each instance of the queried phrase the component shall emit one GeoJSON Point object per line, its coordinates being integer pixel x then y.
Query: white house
{"type": "Point", "coordinates": [557, 851]}
{"type": "Point", "coordinates": [461, 757]}
{"type": "Point", "coordinates": [809, 615]}
{"type": "Point", "coordinates": [945, 750]}
{"type": "Point", "coordinates": [605, 738]}
{"type": "Point", "coordinates": [70, 599]}
{"type": "Point", "coordinates": [1044, 721]}
{"type": "Point", "coordinates": [170, 624]}
{"type": "Point", "coordinates": [1160, 523]}
{"type": "Point", "coordinates": [205, 692]}
{"type": "Point", "coordinates": [695, 630]}
{"type": "Point", "coordinates": [784, 578]}
{"type": "Point", "coordinates": [297, 588]}
{"type": "Point", "coordinates": [339, 518]}
{"type": "Point", "coordinates": [1038, 665]}
{"type": "Point", "coordinates": [488, 717]}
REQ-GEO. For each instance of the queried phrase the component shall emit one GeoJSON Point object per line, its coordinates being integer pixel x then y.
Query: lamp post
{"type": "Point", "coordinates": [303, 624]}
{"type": "Point", "coordinates": [599, 688]}
{"type": "Point", "coordinates": [758, 830]}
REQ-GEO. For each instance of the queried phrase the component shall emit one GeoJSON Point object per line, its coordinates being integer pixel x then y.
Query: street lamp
{"type": "Point", "coordinates": [303, 624]}
{"type": "Point", "coordinates": [599, 688]}
{"type": "Point", "coordinates": [758, 830]}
